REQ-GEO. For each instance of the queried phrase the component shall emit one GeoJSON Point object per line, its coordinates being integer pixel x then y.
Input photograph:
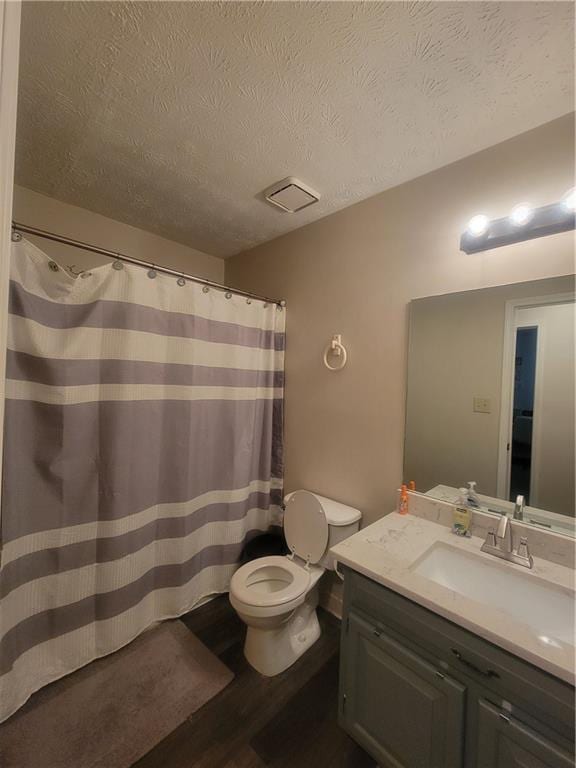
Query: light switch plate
{"type": "Point", "coordinates": [482, 405]}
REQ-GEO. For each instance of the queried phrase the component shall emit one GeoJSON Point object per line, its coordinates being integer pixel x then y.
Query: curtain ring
{"type": "Point", "coordinates": [228, 295]}
{"type": "Point", "coordinates": [117, 265]}
{"type": "Point", "coordinates": [181, 280]}
{"type": "Point", "coordinates": [53, 266]}
{"type": "Point", "coordinates": [16, 236]}
{"type": "Point", "coordinates": [265, 304]}
{"type": "Point", "coordinates": [152, 272]}
{"type": "Point", "coordinates": [205, 288]}
{"type": "Point", "coordinates": [248, 301]}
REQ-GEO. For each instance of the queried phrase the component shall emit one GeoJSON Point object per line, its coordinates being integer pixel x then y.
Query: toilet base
{"type": "Point", "coordinates": [272, 650]}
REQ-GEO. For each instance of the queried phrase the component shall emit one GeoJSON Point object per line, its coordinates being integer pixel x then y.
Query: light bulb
{"type": "Point", "coordinates": [521, 214]}
{"type": "Point", "coordinates": [569, 200]}
{"type": "Point", "coordinates": [478, 225]}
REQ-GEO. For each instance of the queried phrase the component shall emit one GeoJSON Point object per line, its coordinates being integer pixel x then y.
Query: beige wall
{"type": "Point", "coordinates": [354, 273]}
{"type": "Point", "coordinates": [456, 354]}
{"type": "Point", "coordinates": [9, 62]}
{"type": "Point", "coordinates": [80, 224]}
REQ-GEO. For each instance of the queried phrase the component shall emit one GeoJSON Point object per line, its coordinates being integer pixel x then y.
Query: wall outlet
{"type": "Point", "coordinates": [482, 405]}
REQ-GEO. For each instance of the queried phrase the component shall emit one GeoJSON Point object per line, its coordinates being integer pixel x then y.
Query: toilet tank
{"type": "Point", "coordinates": [343, 521]}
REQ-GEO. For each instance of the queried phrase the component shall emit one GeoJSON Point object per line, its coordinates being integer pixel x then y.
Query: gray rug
{"type": "Point", "coordinates": [110, 713]}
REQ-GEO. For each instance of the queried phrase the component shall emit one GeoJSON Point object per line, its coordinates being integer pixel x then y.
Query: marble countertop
{"type": "Point", "coordinates": [387, 552]}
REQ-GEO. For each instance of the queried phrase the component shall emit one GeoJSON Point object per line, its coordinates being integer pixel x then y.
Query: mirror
{"type": "Point", "coordinates": [491, 399]}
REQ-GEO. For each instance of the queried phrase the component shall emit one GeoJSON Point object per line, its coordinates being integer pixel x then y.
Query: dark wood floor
{"type": "Point", "coordinates": [257, 722]}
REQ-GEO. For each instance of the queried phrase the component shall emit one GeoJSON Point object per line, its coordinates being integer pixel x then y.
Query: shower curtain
{"type": "Point", "coordinates": [143, 448]}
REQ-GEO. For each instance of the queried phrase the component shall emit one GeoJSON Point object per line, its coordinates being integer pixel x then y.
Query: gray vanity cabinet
{"type": "Point", "coordinates": [504, 742]}
{"type": "Point", "coordinates": [417, 691]}
{"type": "Point", "coordinates": [402, 709]}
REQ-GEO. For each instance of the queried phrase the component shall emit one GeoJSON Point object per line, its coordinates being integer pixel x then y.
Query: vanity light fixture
{"type": "Point", "coordinates": [569, 201]}
{"type": "Point", "coordinates": [521, 214]}
{"type": "Point", "coordinates": [478, 225]}
{"type": "Point", "coordinates": [523, 223]}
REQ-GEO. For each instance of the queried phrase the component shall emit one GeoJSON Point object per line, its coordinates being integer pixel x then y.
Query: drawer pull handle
{"type": "Point", "coordinates": [470, 665]}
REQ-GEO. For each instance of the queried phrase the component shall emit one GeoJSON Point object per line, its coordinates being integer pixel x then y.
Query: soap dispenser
{"type": "Point", "coordinates": [462, 515]}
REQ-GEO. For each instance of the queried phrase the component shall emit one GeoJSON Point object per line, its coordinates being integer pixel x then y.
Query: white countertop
{"type": "Point", "coordinates": [386, 552]}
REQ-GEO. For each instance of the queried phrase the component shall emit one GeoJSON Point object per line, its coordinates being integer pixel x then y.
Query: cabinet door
{"type": "Point", "coordinates": [504, 742]}
{"type": "Point", "coordinates": [402, 710]}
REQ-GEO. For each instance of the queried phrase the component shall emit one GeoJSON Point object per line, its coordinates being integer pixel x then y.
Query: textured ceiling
{"type": "Point", "coordinates": [174, 116]}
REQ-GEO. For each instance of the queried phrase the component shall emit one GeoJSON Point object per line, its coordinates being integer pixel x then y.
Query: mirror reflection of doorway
{"type": "Point", "coordinates": [523, 412]}
{"type": "Point", "coordinates": [538, 403]}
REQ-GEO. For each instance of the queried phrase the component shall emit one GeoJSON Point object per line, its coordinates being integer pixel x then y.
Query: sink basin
{"type": "Point", "coordinates": [544, 606]}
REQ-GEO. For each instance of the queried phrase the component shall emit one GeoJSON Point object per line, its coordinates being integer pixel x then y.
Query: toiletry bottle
{"type": "Point", "coordinates": [462, 519]}
{"type": "Point", "coordinates": [403, 507]}
{"type": "Point", "coordinates": [412, 485]}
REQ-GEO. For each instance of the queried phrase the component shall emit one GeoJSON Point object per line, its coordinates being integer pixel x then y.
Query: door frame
{"type": "Point", "coordinates": [507, 389]}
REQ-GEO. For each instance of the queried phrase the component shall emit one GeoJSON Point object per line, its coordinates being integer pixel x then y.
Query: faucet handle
{"type": "Point", "coordinates": [491, 538]}
{"type": "Point", "coordinates": [523, 550]}
{"type": "Point", "coordinates": [490, 542]}
{"type": "Point", "coordinates": [524, 553]}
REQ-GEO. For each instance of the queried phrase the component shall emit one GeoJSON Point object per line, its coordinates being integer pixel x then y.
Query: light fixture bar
{"type": "Point", "coordinates": [547, 220]}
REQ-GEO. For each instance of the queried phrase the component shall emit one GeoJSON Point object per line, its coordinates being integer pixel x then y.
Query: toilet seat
{"type": "Point", "coordinates": [269, 581]}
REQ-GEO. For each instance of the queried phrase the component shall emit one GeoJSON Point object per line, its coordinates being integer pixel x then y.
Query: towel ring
{"type": "Point", "coordinates": [339, 350]}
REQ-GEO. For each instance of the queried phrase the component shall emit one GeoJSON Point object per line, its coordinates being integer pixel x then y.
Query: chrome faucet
{"type": "Point", "coordinates": [500, 544]}
{"type": "Point", "coordinates": [504, 534]}
{"type": "Point", "coordinates": [519, 508]}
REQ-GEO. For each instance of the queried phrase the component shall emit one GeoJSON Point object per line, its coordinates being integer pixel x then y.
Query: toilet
{"type": "Point", "coordinates": [276, 597]}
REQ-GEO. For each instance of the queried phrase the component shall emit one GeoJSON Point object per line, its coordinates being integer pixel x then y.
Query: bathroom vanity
{"type": "Point", "coordinates": [450, 660]}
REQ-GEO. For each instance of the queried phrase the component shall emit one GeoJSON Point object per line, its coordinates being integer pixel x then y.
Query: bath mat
{"type": "Point", "coordinates": [113, 711]}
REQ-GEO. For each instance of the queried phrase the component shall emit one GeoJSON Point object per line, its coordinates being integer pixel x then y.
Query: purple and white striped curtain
{"type": "Point", "coordinates": [143, 447]}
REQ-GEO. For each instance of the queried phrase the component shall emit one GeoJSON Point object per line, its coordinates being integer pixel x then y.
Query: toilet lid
{"type": "Point", "coordinates": [305, 526]}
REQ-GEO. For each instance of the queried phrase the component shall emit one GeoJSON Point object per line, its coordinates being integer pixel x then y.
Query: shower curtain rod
{"type": "Point", "coordinates": [19, 228]}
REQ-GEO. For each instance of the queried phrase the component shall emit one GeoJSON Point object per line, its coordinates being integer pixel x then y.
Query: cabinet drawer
{"type": "Point", "coordinates": [499, 672]}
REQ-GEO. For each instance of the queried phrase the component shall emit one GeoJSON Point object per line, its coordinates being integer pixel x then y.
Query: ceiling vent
{"type": "Point", "coordinates": [291, 195]}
